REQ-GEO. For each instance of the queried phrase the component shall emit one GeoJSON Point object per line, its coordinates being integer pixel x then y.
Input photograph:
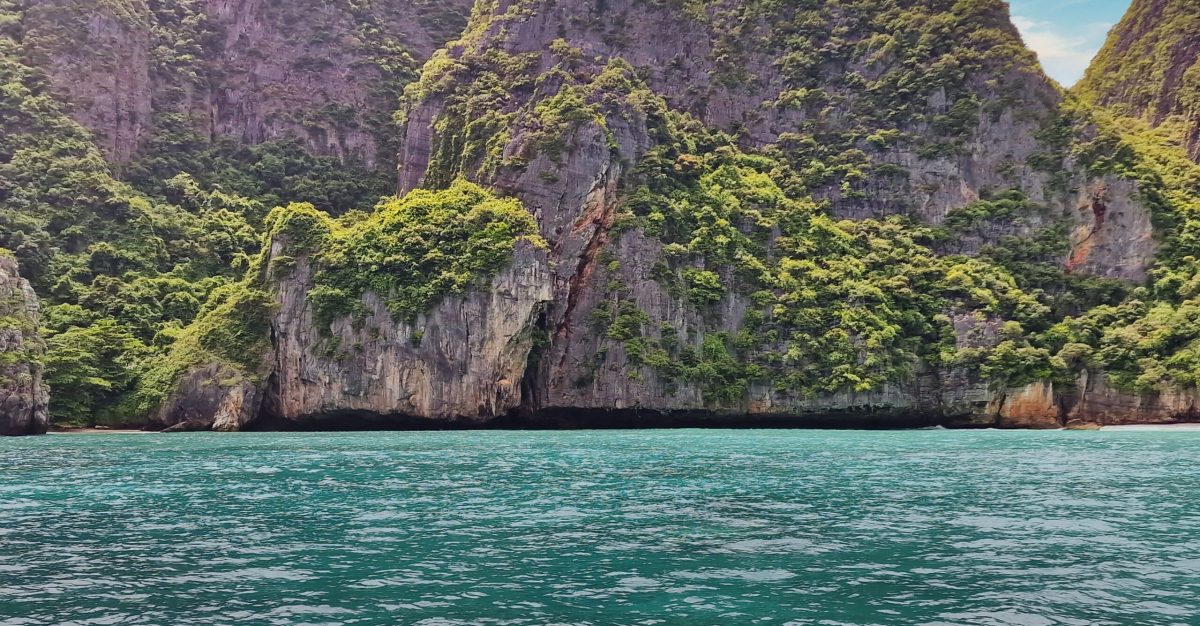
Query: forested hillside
{"type": "Point", "coordinates": [842, 212]}
{"type": "Point", "coordinates": [1150, 68]}
{"type": "Point", "coordinates": [140, 160]}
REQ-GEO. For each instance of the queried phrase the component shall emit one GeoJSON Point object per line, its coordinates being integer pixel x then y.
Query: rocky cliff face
{"type": "Point", "coordinates": [942, 143]}
{"type": "Point", "coordinates": [621, 126]}
{"type": "Point", "coordinates": [898, 133]}
{"type": "Point", "coordinates": [23, 395]}
{"type": "Point", "coordinates": [463, 361]}
{"type": "Point", "coordinates": [1150, 67]}
{"type": "Point", "coordinates": [107, 80]}
{"type": "Point", "coordinates": [751, 216]}
{"type": "Point", "coordinates": [449, 343]}
{"type": "Point", "coordinates": [324, 73]}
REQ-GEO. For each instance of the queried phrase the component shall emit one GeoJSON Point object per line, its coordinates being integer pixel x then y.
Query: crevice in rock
{"type": "Point", "coordinates": [600, 217]}
{"type": "Point", "coordinates": [1100, 212]}
{"type": "Point", "coordinates": [529, 380]}
{"type": "Point", "coordinates": [1083, 249]}
{"type": "Point", "coordinates": [268, 406]}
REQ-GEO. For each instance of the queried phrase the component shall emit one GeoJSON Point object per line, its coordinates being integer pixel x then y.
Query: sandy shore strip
{"type": "Point", "coordinates": [99, 431]}
{"type": "Point", "coordinates": [1155, 427]}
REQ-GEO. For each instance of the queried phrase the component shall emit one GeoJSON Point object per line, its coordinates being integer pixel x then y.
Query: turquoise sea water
{"type": "Point", "coordinates": [605, 528]}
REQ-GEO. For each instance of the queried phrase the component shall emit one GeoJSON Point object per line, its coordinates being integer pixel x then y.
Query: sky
{"type": "Point", "coordinates": [1066, 34]}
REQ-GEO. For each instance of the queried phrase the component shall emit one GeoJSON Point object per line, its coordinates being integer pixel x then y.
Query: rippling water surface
{"type": "Point", "coordinates": [605, 528]}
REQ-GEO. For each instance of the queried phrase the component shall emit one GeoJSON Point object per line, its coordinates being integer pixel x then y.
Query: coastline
{"type": "Point", "coordinates": [1179, 426]}
{"type": "Point", "coordinates": [98, 431]}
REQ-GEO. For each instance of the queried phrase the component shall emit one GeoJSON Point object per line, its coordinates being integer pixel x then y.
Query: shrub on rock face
{"type": "Point", "coordinates": [415, 250]}
{"type": "Point", "coordinates": [233, 331]}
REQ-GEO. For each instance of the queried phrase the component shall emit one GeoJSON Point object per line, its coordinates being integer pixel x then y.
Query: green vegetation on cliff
{"type": "Point", "coordinates": [1149, 67]}
{"type": "Point", "coordinates": [233, 331]}
{"type": "Point", "coordinates": [1150, 341]}
{"type": "Point", "coordinates": [834, 305]}
{"type": "Point", "coordinates": [115, 268]}
{"type": "Point", "coordinates": [410, 251]}
{"type": "Point", "coordinates": [840, 304]}
{"type": "Point", "coordinates": [905, 194]}
{"type": "Point", "coordinates": [127, 255]}
{"type": "Point", "coordinates": [415, 250]}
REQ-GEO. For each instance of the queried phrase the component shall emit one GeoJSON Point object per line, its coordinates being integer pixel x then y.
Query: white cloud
{"type": "Point", "coordinates": [1064, 56]}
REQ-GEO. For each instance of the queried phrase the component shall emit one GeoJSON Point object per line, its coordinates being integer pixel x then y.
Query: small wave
{"type": "Point", "coordinates": [770, 546]}
{"type": "Point", "coordinates": [754, 575]}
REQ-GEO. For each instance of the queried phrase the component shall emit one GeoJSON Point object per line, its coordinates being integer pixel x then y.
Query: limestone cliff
{"type": "Point", "coordinates": [818, 213]}
{"type": "Point", "coordinates": [941, 139]}
{"type": "Point", "coordinates": [940, 144]}
{"type": "Point", "coordinates": [324, 73]}
{"type": "Point", "coordinates": [600, 117]}
{"type": "Point", "coordinates": [1149, 67]}
{"type": "Point", "coordinates": [462, 361]}
{"type": "Point", "coordinates": [23, 395]}
{"type": "Point", "coordinates": [446, 339]}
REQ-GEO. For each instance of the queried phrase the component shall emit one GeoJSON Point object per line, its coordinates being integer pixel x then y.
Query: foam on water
{"type": "Point", "coordinates": [607, 528]}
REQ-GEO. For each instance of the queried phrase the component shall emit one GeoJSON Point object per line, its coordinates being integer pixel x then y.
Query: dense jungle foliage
{"type": "Point", "coordinates": [1150, 65]}
{"type": "Point", "coordinates": [158, 264]}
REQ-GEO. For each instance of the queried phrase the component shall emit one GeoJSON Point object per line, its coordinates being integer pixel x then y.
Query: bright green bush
{"type": "Point", "coordinates": [233, 330]}
{"type": "Point", "coordinates": [418, 249]}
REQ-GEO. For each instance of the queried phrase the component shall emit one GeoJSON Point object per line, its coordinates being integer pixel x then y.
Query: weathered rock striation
{"type": "Point", "coordinates": [324, 73]}
{"type": "Point", "coordinates": [23, 395]}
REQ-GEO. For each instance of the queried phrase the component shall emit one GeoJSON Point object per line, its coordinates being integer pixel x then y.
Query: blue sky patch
{"type": "Point", "coordinates": [1066, 34]}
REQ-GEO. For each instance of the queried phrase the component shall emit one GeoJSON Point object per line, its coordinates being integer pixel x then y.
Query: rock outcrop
{"type": "Point", "coordinates": [23, 394]}
{"type": "Point", "coordinates": [463, 361]}
{"type": "Point", "coordinates": [1095, 401]}
{"type": "Point", "coordinates": [1032, 406]}
{"type": "Point", "coordinates": [211, 397]}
